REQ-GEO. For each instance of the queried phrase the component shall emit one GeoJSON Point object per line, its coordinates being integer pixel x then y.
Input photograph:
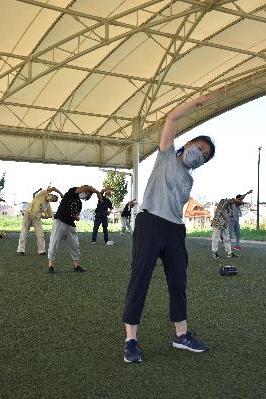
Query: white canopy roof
{"type": "Point", "coordinates": [81, 81]}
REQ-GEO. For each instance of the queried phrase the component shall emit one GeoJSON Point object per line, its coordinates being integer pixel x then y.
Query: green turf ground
{"type": "Point", "coordinates": [13, 224]}
{"type": "Point", "coordinates": [61, 335]}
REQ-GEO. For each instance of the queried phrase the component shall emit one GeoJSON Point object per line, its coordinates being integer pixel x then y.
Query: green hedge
{"type": "Point", "coordinates": [13, 224]}
{"type": "Point", "coordinates": [8, 223]}
{"type": "Point", "coordinates": [247, 233]}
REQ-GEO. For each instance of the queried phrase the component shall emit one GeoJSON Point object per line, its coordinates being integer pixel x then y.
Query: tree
{"type": "Point", "coordinates": [2, 182]}
{"type": "Point", "coordinates": [117, 181]}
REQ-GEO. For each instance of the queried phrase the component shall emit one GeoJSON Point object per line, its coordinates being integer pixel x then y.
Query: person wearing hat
{"type": "Point", "coordinates": [64, 228]}
{"type": "Point", "coordinates": [38, 209]}
{"type": "Point", "coordinates": [234, 225]}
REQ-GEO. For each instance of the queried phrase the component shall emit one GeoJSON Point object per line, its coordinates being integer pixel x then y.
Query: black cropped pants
{"type": "Point", "coordinates": [154, 238]}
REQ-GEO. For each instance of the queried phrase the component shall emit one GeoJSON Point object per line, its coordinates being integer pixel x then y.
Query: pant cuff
{"type": "Point", "coordinates": [132, 323]}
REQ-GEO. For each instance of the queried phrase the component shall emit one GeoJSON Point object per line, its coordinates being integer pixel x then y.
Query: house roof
{"type": "Point", "coordinates": [82, 81]}
{"type": "Point", "coordinates": [194, 209]}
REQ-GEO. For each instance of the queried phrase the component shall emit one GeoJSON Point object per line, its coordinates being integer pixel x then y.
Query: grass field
{"type": "Point", "coordinates": [61, 335]}
{"type": "Point", "coordinates": [13, 224]}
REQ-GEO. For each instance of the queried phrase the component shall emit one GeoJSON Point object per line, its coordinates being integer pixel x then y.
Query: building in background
{"type": "Point", "coordinates": [13, 210]}
{"type": "Point", "coordinates": [87, 215]}
{"type": "Point", "coordinates": [196, 216]}
{"type": "Point", "coordinates": [249, 215]}
{"type": "Point", "coordinates": [210, 207]}
{"type": "Point", "coordinates": [7, 210]}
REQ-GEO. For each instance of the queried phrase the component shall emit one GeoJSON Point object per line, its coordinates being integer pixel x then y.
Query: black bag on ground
{"type": "Point", "coordinates": [228, 271]}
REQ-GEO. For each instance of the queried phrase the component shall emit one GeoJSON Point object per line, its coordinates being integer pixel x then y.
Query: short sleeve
{"type": "Point", "coordinates": [72, 191]}
{"type": "Point", "coordinates": [165, 155]}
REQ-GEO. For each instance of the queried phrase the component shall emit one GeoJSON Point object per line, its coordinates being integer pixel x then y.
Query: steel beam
{"type": "Point", "coordinates": [131, 30]}
{"type": "Point", "coordinates": [229, 11]}
{"type": "Point", "coordinates": [153, 88]}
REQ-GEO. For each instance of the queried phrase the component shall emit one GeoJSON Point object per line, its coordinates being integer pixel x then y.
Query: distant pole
{"type": "Point", "coordinates": [258, 192]}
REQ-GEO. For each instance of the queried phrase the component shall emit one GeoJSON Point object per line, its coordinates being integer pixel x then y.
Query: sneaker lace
{"type": "Point", "coordinates": [190, 336]}
{"type": "Point", "coordinates": [133, 345]}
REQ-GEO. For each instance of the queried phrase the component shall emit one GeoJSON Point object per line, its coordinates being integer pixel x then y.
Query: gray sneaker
{"type": "Point", "coordinates": [231, 255]}
{"type": "Point", "coordinates": [132, 352]}
{"type": "Point", "coordinates": [189, 342]}
{"type": "Point", "coordinates": [215, 255]}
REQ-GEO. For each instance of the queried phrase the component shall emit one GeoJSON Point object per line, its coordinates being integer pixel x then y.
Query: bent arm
{"type": "Point", "coordinates": [171, 125]}
{"type": "Point", "coordinates": [132, 202]}
{"type": "Point", "coordinates": [244, 195]}
{"type": "Point", "coordinates": [51, 189]}
{"type": "Point", "coordinates": [92, 190]}
{"type": "Point", "coordinates": [107, 189]}
{"type": "Point", "coordinates": [37, 191]}
{"type": "Point", "coordinates": [86, 188]}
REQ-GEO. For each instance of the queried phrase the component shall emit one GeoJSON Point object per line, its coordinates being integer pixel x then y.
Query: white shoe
{"type": "Point", "coordinates": [110, 243]}
{"type": "Point", "coordinates": [93, 242]}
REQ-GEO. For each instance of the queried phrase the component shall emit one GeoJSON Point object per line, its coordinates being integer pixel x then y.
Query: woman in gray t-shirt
{"type": "Point", "coordinates": [160, 232]}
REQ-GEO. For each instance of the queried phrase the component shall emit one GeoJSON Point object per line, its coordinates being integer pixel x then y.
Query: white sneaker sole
{"type": "Point", "coordinates": [129, 361]}
{"type": "Point", "coordinates": [184, 347]}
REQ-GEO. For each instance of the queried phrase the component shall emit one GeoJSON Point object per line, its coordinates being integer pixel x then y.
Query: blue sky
{"type": "Point", "coordinates": [237, 135]}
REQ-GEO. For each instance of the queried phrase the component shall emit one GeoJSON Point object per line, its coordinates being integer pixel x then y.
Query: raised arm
{"type": "Point", "coordinates": [107, 189]}
{"type": "Point", "coordinates": [90, 189]}
{"type": "Point", "coordinates": [51, 189]}
{"type": "Point", "coordinates": [171, 125]}
{"type": "Point", "coordinates": [133, 202]}
{"type": "Point", "coordinates": [240, 198]}
{"type": "Point", "coordinates": [37, 191]}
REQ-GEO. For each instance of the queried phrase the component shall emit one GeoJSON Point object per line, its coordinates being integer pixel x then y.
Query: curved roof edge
{"type": "Point", "coordinates": [31, 145]}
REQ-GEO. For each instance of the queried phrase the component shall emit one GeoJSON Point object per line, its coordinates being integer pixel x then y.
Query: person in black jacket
{"type": "Point", "coordinates": [102, 212]}
{"type": "Point", "coordinates": [64, 227]}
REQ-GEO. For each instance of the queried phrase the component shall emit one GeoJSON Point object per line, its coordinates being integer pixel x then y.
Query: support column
{"type": "Point", "coordinates": [135, 161]}
{"type": "Point", "coordinates": [135, 180]}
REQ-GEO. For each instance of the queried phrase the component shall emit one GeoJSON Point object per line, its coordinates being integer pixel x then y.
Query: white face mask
{"type": "Point", "coordinates": [82, 195]}
{"type": "Point", "coordinates": [193, 157]}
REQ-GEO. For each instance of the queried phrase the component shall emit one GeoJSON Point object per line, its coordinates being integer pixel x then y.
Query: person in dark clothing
{"type": "Point", "coordinates": [2, 234]}
{"type": "Point", "coordinates": [126, 216]}
{"type": "Point", "coordinates": [64, 227]}
{"type": "Point", "coordinates": [234, 226]}
{"type": "Point", "coordinates": [102, 212]}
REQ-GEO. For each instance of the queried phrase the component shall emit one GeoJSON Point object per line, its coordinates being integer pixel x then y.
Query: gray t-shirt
{"type": "Point", "coordinates": [168, 188]}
